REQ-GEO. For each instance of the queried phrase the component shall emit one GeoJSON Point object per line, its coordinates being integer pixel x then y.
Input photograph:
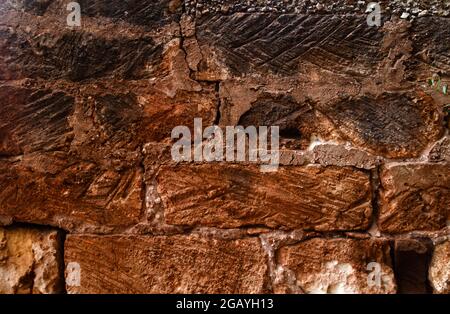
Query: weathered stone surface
{"type": "Point", "coordinates": [339, 155]}
{"type": "Point", "coordinates": [430, 37]}
{"type": "Point", "coordinates": [100, 125]}
{"type": "Point", "coordinates": [74, 55]}
{"type": "Point", "coordinates": [440, 151]}
{"type": "Point", "coordinates": [393, 125]}
{"type": "Point", "coordinates": [54, 189]}
{"type": "Point", "coordinates": [38, 7]}
{"type": "Point", "coordinates": [166, 264]}
{"type": "Point", "coordinates": [85, 138]}
{"type": "Point", "coordinates": [59, 172]}
{"type": "Point", "coordinates": [412, 258]}
{"type": "Point", "coordinates": [318, 7]}
{"type": "Point", "coordinates": [33, 120]}
{"type": "Point", "coordinates": [73, 152]}
{"type": "Point", "coordinates": [230, 196]}
{"type": "Point", "coordinates": [151, 14]}
{"type": "Point", "coordinates": [392, 57]}
{"type": "Point", "coordinates": [439, 273]}
{"type": "Point", "coordinates": [30, 261]}
{"type": "Point", "coordinates": [277, 43]}
{"type": "Point", "coordinates": [414, 196]}
{"type": "Point", "coordinates": [364, 87]}
{"type": "Point", "coordinates": [295, 157]}
{"type": "Point", "coordinates": [106, 45]}
{"type": "Point", "coordinates": [338, 265]}
{"type": "Point", "coordinates": [146, 13]}
{"type": "Point", "coordinates": [262, 102]}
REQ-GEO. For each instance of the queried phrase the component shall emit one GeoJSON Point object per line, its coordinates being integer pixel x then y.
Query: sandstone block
{"type": "Point", "coordinates": [73, 156]}
{"type": "Point", "coordinates": [165, 264]}
{"type": "Point", "coordinates": [230, 196]}
{"type": "Point", "coordinates": [30, 261]}
{"type": "Point", "coordinates": [339, 266]}
{"type": "Point", "coordinates": [414, 196]}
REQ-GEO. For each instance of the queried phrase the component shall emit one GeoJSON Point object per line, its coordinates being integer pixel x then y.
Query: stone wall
{"type": "Point", "coordinates": [92, 202]}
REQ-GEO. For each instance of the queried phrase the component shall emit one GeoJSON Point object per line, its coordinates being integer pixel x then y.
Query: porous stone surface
{"type": "Point", "coordinates": [439, 273]}
{"type": "Point", "coordinates": [339, 266]}
{"type": "Point", "coordinates": [30, 261]}
{"type": "Point", "coordinates": [166, 264]}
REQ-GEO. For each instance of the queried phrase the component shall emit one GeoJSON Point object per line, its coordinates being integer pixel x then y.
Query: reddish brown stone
{"type": "Point", "coordinates": [414, 196]}
{"type": "Point", "coordinates": [34, 119]}
{"type": "Point", "coordinates": [314, 87]}
{"type": "Point", "coordinates": [74, 155]}
{"type": "Point", "coordinates": [85, 139]}
{"type": "Point", "coordinates": [163, 113]}
{"type": "Point", "coordinates": [339, 265]}
{"type": "Point", "coordinates": [248, 101]}
{"type": "Point", "coordinates": [45, 47]}
{"type": "Point", "coordinates": [229, 196]}
{"type": "Point", "coordinates": [394, 125]}
{"type": "Point", "coordinates": [165, 264]}
{"type": "Point", "coordinates": [54, 190]}
{"type": "Point", "coordinates": [30, 261]}
{"type": "Point", "coordinates": [63, 177]}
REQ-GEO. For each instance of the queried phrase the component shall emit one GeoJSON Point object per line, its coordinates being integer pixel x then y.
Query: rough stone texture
{"type": "Point", "coordinates": [441, 151]}
{"type": "Point", "coordinates": [391, 125]}
{"type": "Point", "coordinates": [339, 155]}
{"type": "Point", "coordinates": [439, 274]}
{"type": "Point", "coordinates": [338, 265]}
{"type": "Point", "coordinates": [440, 8]}
{"type": "Point", "coordinates": [30, 261]}
{"type": "Point", "coordinates": [71, 150]}
{"type": "Point", "coordinates": [314, 105]}
{"type": "Point", "coordinates": [85, 138]}
{"type": "Point", "coordinates": [298, 197]}
{"type": "Point", "coordinates": [331, 77]}
{"type": "Point", "coordinates": [41, 48]}
{"type": "Point", "coordinates": [75, 196]}
{"type": "Point", "coordinates": [166, 264]}
{"type": "Point", "coordinates": [414, 196]}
